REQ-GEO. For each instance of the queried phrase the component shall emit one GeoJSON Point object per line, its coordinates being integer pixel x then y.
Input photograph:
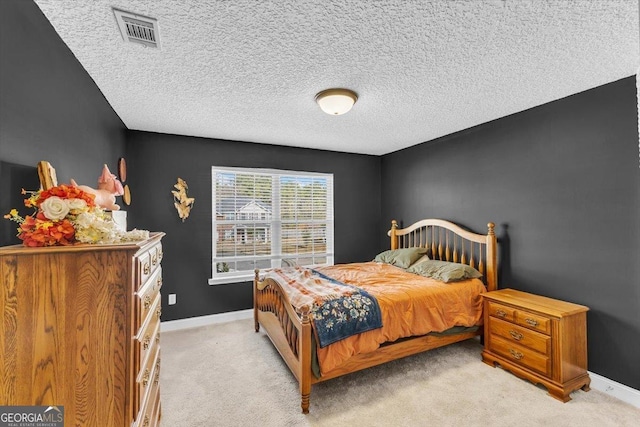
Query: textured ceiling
{"type": "Point", "coordinates": [249, 70]}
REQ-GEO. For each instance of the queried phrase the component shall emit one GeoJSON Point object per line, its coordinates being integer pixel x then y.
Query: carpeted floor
{"type": "Point", "coordinates": [227, 375]}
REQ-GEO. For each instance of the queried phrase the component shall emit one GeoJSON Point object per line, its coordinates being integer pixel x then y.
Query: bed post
{"type": "Point", "coordinates": [492, 260]}
{"type": "Point", "coordinates": [305, 359]}
{"type": "Point", "coordinates": [392, 233]}
{"type": "Point", "coordinates": [255, 300]}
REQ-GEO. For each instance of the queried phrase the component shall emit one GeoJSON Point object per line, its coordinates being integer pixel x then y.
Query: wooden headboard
{"type": "Point", "coordinates": [447, 241]}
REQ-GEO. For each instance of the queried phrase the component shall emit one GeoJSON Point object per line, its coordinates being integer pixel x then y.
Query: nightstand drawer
{"type": "Point", "coordinates": [533, 321]}
{"type": "Point", "coordinates": [525, 337]}
{"type": "Point", "coordinates": [521, 355]}
{"type": "Point", "coordinates": [502, 312]}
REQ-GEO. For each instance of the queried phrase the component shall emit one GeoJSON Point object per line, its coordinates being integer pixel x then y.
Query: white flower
{"type": "Point", "coordinates": [84, 220]}
{"type": "Point", "coordinates": [94, 228]}
{"type": "Point", "coordinates": [76, 204]}
{"type": "Point", "coordinates": [54, 208]}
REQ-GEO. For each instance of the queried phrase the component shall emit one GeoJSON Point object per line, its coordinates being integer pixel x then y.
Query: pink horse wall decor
{"type": "Point", "coordinates": [108, 188]}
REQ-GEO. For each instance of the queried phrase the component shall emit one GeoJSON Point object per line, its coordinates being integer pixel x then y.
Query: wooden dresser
{"type": "Point", "coordinates": [80, 329]}
{"type": "Point", "coordinates": [541, 339]}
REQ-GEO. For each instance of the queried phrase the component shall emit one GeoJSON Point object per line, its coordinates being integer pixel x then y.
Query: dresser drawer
{"type": "Point", "coordinates": [148, 336]}
{"type": "Point", "coordinates": [147, 262]}
{"type": "Point", "coordinates": [145, 358]}
{"type": "Point", "coordinates": [533, 321]}
{"type": "Point", "coordinates": [146, 296]}
{"type": "Point", "coordinates": [503, 312]}
{"type": "Point", "coordinates": [521, 355]}
{"type": "Point", "coordinates": [525, 337]}
{"type": "Point", "coordinates": [147, 379]}
{"type": "Point", "coordinates": [147, 415]}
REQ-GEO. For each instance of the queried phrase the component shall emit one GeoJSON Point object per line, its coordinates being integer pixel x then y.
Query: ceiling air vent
{"type": "Point", "coordinates": [138, 28]}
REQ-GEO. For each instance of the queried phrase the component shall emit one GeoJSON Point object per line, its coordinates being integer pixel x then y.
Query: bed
{"type": "Point", "coordinates": [292, 325]}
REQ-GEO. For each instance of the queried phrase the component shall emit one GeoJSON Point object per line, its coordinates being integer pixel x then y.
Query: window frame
{"type": "Point", "coordinates": [275, 223]}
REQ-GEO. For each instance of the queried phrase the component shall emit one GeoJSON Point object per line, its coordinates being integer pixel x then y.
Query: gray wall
{"type": "Point", "coordinates": [155, 161]}
{"type": "Point", "coordinates": [50, 109]}
{"type": "Point", "coordinates": [562, 183]}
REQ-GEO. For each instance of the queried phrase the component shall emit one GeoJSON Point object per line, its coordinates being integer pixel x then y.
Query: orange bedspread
{"type": "Point", "coordinates": [410, 304]}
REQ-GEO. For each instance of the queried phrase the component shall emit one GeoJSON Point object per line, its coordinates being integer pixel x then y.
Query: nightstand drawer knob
{"type": "Point", "coordinates": [516, 335]}
{"type": "Point", "coordinates": [516, 354]}
{"type": "Point", "coordinates": [501, 313]}
{"type": "Point", "coordinates": [531, 322]}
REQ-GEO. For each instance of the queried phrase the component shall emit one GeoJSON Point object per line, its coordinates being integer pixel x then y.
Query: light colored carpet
{"type": "Point", "coordinates": [227, 375]}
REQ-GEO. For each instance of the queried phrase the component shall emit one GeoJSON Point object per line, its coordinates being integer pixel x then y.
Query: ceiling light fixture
{"type": "Point", "coordinates": [336, 101]}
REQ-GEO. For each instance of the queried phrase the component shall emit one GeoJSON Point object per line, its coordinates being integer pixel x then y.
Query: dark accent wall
{"type": "Point", "coordinates": [155, 161]}
{"type": "Point", "coordinates": [562, 183]}
{"type": "Point", "coordinates": [13, 177]}
{"type": "Point", "coordinates": [50, 109]}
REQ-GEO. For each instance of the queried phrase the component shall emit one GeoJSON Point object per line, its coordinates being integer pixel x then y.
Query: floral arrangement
{"type": "Point", "coordinates": [66, 215]}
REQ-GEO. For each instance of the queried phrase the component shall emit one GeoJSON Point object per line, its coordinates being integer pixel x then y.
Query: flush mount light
{"type": "Point", "coordinates": [336, 101]}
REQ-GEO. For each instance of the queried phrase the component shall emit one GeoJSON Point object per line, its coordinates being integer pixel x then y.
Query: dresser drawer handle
{"type": "Point", "coordinates": [147, 302]}
{"type": "Point", "coordinates": [157, 338]}
{"type": "Point", "coordinates": [146, 342]}
{"type": "Point", "coordinates": [145, 377]}
{"type": "Point", "coordinates": [154, 259]}
{"type": "Point", "coordinates": [501, 313]}
{"type": "Point", "coordinates": [531, 322]}
{"type": "Point", "coordinates": [516, 354]}
{"type": "Point", "coordinates": [146, 421]}
{"type": "Point", "coordinates": [157, 378]}
{"type": "Point", "coordinates": [160, 256]}
{"type": "Point", "coordinates": [516, 335]}
{"type": "Point", "coordinates": [146, 268]}
{"type": "Point", "coordinates": [159, 312]}
{"type": "Point", "coordinates": [159, 282]}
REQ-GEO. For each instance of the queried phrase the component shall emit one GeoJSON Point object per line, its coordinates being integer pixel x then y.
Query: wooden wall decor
{"type": "Point", "coordinates": [47, 175]}
{"type": "Point", "coordinates": [122, 174]}
{"type": "Point", "coordinates": [181, 201]}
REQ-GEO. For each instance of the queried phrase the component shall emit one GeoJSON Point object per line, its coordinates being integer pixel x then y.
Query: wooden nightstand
{"type": "Point", "coordinates": [537, 338]}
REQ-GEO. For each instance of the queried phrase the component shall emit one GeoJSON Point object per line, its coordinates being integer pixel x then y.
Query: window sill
{"type": "Point", "coordinates": [234, 279]}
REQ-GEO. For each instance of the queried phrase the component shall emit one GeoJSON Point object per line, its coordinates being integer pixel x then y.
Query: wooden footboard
{"type": "Point", "coordinates": [289, 331]}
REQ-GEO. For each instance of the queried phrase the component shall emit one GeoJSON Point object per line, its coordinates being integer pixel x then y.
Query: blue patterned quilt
{"type": "Point", "coordinates": [338, 310]}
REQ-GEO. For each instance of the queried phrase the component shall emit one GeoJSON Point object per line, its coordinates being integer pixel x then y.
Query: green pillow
{"type": "Point", "coordinates": [444, 271]}
{"type": "Point", "coordinates": [402, 258]}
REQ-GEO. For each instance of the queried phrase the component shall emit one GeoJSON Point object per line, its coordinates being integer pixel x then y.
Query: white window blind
{"type": "Point", "coordinates": [267, 218]}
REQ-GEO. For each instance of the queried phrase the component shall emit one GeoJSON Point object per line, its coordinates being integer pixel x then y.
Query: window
{"type": "Point", "coordinates": [266, 218]}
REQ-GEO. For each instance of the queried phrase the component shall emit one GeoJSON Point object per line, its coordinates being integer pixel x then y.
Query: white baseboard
{"type": "Point", "coordinates": [615, 389]}
{"type": "Point", "coordinates": [598, 382]}
{"type": "Point", "coordinates": [194, 322]}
